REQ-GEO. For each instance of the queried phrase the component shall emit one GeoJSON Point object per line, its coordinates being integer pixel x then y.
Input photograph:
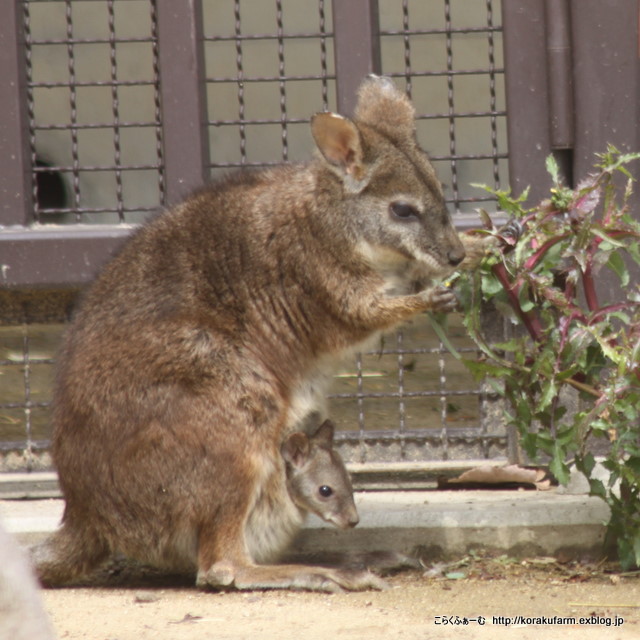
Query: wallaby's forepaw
{"type": "Point", "coordinates": [440, 299]}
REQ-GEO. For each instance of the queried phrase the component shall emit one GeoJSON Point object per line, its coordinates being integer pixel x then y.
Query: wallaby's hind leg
{"type": "Point", "coordinates": [223, 563]}
{"type": "Point", "coordinates": [226, 575]}
{"type": "Point", "coordinates": [66, 556]}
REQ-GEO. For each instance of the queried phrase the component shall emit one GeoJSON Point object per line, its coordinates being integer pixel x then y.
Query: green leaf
{"type": "Point", "coordinates": [440, 331]}
{"type": "Point", "coordinates": [597, 488]}
{"type": "Point", "coordinates": [552, 168]}
{"type": "Point", "coordinates": [634, 464]}
{"type": "Point", "coordinates": [490, 285]}
{"type": "Point", "coordinates": [617, 265]}
{"type": "Point", "coordinates": [549, 392]}
{"type": "Point", "coordinates": [559, 467]}
{"type": "Point", "coordinates": [608, 239]}
{"type": "Point", "coordinates": [484, 368]}
{"type": "Point", "coordinates": [587, 464]}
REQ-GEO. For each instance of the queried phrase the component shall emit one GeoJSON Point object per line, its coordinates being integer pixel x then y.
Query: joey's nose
{"type": "Point", "coordinates": [455, 256]}
{"type": "Point", "coordinates": [354, 518]}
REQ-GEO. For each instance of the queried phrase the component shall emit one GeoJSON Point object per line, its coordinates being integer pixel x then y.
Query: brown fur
{"type": "Point", "coordinates": [213, 334]}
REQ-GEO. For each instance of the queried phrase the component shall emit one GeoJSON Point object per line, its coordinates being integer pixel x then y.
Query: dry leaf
{"type": "Point", "coordinates": [487, 474]}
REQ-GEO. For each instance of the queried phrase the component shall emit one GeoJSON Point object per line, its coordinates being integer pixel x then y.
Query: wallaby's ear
{"type": "Point", "coordinates": [338, 139]}
{"type": "Point", "coordinates": [295, 449]}
{"type": "Point", "coordinates": [384, 107]}
{"type": "Point", "coordinates": [324, 435]}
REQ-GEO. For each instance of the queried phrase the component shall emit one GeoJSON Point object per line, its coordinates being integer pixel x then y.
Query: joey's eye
{"type": "Point", "coordinates": [325, 491]}
{"type": "Point", "coordinates": [403, 211]}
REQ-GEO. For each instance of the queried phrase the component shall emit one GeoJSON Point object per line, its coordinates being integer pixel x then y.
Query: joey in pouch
{"type": "Point", "coordinates": [210, 339]}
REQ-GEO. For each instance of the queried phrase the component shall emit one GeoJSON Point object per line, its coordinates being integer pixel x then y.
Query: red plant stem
{"type": "Point", "coordinates": [589, 286]}
{"type": "Point", "coordinates": [588, 282]}
{"type": "Point", "coordinates": [531, 262]}
{"type": "Point", "coordinates": [530, 320]}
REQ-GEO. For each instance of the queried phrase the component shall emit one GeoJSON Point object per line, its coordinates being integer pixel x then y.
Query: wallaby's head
{"type": "Point", "coordinates": [316, 477]}
{"type": "Point", "coordinates": [392, 201]}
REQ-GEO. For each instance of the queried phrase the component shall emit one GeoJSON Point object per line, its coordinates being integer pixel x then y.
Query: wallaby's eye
{"type": "Point", "coordinates": [325, 491]}
{"type": "Point", "coordinates": [403, 211]}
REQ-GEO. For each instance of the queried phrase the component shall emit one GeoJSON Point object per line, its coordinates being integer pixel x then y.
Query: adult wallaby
{"type": "Point", "coordinates": [213, 335]}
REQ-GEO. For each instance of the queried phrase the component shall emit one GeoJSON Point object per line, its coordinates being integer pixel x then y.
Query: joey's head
{"type": "Point", "coordinates": [392, 202]}
{"type": "Point", "coordinates": [317, 479]}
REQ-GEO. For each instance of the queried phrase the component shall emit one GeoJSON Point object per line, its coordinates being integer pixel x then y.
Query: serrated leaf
{"type": "Point", "coordinates": [596, 488]}
{"type": "Point", "coordinates": [552, 168]}
{"type": "Point", "coordinates": [549, 392]}
{"type": "Point", "coordinates": [617, 265]}
{"type": "Point", "coordinates": [490, 285]}
{"type": "Point", "coordinates": [634, 464]}
{"type": "Point", "coordinates": [559, 467]}
{"type": "Point", "coordinates": [606, 238]}
{"type": "Point", "coordinates": [587, 464]}
{"type": "Point", "coordinates": [441, 332]}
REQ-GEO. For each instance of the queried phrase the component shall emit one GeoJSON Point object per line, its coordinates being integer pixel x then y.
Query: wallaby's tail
{"type": "Point", "coordinates": [66, 557]}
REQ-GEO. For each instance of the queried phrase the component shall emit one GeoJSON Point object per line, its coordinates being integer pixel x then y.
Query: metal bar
{"type": "Point", "coordinates": [526, 95]}
{"type": "Point", "coordinates": [281, 78]}
{"type": "Point", "coordinates": [451, 103]}
{"type": "Point", "coordinates": [55, 256]}
{"type": "Point", "coordinates": [357, 48]}
{"type": "Point", "coordinates": [73, 107]}
{"type": "Point", "coordinates": [182, 91]}
{"type": "Point", "coordinates": [559, 68]}
{"type": "Point", "coordinates": [16, 194]}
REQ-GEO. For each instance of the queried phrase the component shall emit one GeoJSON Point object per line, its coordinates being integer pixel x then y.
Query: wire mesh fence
{"type": "Point", "coordinates": [96, 134]}
{"type": "Point", "coordinates": [94, 110]}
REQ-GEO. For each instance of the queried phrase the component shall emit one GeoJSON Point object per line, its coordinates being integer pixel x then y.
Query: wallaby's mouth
{"type": "Point", "coordinates": [343, 521]}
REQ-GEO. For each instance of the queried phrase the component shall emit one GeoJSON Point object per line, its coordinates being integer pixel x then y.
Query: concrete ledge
{"type": "Point", "coordinates": [450, 523]}
{"type": "Point", "coordinates": [440, 523]}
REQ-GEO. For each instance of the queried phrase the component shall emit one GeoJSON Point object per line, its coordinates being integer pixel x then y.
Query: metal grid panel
{"type": "Point", "coordinates": [268, 67]}
{"type": "Point", "coordinates": [26, 373]}
{"type": "Point", "coordinates": [448, 53]}
{"type": "Point", "coordinates": [94, 109]}
{"type": "Point", "coordinates": [411, 400]}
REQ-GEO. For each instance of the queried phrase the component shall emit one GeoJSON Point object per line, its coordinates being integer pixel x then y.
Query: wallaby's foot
{"type": "Point", "coordinates": [440, 299]}
{"type": "Point", "coordinates": [224, 575]}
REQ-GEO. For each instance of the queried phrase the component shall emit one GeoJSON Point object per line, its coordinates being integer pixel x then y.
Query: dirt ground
{"type": "Point", "coordinates": [452, 601]}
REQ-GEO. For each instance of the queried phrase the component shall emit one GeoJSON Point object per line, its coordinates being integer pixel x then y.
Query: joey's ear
{"type": "Point", "coordinates": [295, 449]}
{"type": "Point", "coordinates": [324, 435]}
{"type": "Point", "coordinates": [338, 139]}
{"type": "Point", "coordinates": [384, 107]}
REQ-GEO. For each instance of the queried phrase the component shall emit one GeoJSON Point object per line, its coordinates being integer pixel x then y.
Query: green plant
{"type": "Point", "coordinates": [546, 283]}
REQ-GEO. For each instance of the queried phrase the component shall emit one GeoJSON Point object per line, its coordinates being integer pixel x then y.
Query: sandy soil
{"type": "Point", "coordinates": [414, 607]}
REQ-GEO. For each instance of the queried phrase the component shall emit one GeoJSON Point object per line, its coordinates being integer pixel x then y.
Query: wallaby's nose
{"type": "Point", "coordinates": [354, 518]}
{"type": "Point", "coordinates": [455, 256]}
